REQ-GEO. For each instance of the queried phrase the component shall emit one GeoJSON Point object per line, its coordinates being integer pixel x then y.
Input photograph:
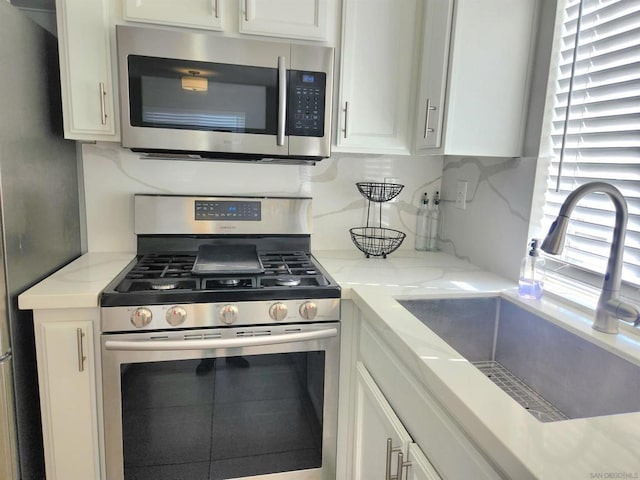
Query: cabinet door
{"type": "Point", "coordinates": [375, 76]}
{"type": "Point", "coordinates": [433, 76]}
{"type": "Point", "coordinates": [304, 19]}
{"type": "Point", "coordinates": [488, 85]}
{"type": "Point", "coordinates": [375, 422]}
{"type": "Point", "coordinates": [67, 396]}
{"type": "Point", "coordinates": [419, 468]}
{"type": "Point", "coordinates": [88, 96]}
{"type": "Point", "coordinates": [205, 14]}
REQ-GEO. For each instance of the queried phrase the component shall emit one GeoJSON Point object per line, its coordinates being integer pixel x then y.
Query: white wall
{"type": "Point", "coordinates": [112, 175]}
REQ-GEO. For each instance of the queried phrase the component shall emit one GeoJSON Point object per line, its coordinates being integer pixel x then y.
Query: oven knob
{"type": "Point", "coordinates": [278, 311]}
{"type": "Point", "coordinates": [175, 316]}
{"type": "Point", "coordinates": [229, 314]}
{"type": "Point", "coordinates": [141, 317]}
{"type": "Point", "coordinates": [308, 310]}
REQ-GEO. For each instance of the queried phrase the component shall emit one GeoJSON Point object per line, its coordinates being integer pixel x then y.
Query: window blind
{"type": "Point", "coordinates": [595, 132]}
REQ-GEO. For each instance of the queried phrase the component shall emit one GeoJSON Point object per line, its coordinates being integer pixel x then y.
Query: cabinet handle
{"type": "Point", "coordinates": [429, 108]}
{"type": "Point", "coordinates": [214, 7]}
{"type": "Point", "coordinates": [346, 118]}
{"type": "Point", "coordinates": [401, 466]}
{"type": "Point", "coordinates": [246, 10]}
{"type": "Point", "coordinates": [390, 451]}
{"type": "Point", "coordinates": [81, 356]}
{"type": "Point", "coordinates": [103, 108]}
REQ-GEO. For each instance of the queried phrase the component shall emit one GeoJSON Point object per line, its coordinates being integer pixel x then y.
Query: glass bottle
{"type": "Point", "coordinates": [434, 216]}
{"type": "Point", "coordinates": [532, 271]}
{"type": "Point", "coordinates": [423, 224]}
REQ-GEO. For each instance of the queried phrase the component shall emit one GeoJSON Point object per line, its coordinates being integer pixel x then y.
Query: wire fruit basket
{"type": "Point", "coordinates": [379, 192]}
{"type": "Point", "coordinates": [377, 241]}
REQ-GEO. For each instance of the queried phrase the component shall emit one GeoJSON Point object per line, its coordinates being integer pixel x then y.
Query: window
{"type": "Point", "coordinates": [594, 134]}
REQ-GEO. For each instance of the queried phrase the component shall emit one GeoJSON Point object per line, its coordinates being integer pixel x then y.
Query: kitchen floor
{"type": "Point", "coordinates": [219, 419]}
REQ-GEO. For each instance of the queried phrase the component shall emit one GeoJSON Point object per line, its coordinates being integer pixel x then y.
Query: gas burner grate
{"type": "Point", "coordinates": [522, 393]}
{"type": "Point", "coordinates": [287, 263]}
{"type": "Point", "coordinates": [152, 266]}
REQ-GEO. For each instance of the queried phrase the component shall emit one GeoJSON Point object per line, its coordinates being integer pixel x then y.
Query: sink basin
{"type": "Point", "coordinates": [553, 373]}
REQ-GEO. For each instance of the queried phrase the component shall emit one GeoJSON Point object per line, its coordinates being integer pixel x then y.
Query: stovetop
{"type": "Point", "coordinates": [167, 278]}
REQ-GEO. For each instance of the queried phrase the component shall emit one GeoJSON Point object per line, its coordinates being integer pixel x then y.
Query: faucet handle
{"type": "Point", "coordinates": [624, 311]}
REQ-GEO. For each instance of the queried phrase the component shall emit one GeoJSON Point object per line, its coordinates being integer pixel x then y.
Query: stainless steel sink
{"type": "Point", "coordinates": [551, 372]}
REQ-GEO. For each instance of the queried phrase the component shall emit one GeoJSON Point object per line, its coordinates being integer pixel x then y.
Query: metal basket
{"type": "Point", "coordinates": [379, 192]}
{"type": "Point", "coordinates": [376, 241]}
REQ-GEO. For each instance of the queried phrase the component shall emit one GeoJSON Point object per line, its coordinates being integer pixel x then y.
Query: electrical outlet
{"type": "Point", "coordinates": [461, 194]}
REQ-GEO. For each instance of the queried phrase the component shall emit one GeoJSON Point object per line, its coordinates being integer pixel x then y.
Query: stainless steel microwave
{"type": "Point", "coordinates": [199, 95]}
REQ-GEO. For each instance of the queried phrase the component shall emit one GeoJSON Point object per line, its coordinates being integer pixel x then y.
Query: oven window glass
{"type": "Point", "coordinates": [223, 418]}
{"type": "Point", "coordinates": [178, 94]}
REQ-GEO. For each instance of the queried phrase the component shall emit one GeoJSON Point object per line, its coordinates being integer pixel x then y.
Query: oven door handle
{"type": "Point", "coordinates": [166, 345]}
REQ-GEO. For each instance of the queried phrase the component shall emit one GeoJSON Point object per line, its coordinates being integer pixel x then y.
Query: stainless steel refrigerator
{"type": "Point", "coordinates": [39, 221]}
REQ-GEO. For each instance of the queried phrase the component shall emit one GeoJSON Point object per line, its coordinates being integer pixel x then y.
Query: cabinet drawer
{"type": "Point", "coordinates": [449, 450]}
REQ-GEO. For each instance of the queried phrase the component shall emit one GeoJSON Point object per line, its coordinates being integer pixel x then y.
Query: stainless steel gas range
{"type": "Point", "coordinates": [220, 344]}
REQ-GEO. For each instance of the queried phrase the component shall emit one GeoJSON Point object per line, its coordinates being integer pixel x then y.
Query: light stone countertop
{"type": "Point", "coordinates": [520, 445]}
{"type": "Point", "coordinates": [78, 284]}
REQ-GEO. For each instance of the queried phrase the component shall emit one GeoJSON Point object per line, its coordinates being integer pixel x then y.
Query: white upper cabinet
{"type": "Point", "coordinates": [207, 14]}
{"type": "Point", "coordinates": [88, 94]}
{"type": "Point", "coordinates": [302, 19]}
{"type": "Point", "coordinates": [376, 72]}
{"type": "Point", "coordinates": [433, 76]}
{"type": "Point", "coordinates": [483, 109]}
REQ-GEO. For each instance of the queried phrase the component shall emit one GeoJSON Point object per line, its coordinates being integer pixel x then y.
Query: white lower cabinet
{"type": "Point", "coordinates": [381, 398]}
{"type": "Point", "coordinates": [382, 446]}
{"type": "Point", "coordinates": [66, 377]}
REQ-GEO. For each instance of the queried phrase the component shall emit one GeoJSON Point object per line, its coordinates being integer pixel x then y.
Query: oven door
{"type": "Point", "coordinates": [226, 403]}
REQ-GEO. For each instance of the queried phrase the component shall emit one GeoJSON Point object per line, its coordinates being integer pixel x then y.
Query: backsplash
{"type": "Point", "coordinates": [492, 230]}
{"type": "Point", "coordinates": [112, 175]}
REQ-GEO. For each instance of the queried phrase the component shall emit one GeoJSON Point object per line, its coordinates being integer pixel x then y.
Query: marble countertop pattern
{"type": "Point", "coordinates": [522, 447]}
{"type": "Point", "coordinates": [513, 439]}
{"type": "Point", "coordinates": [78, 284]}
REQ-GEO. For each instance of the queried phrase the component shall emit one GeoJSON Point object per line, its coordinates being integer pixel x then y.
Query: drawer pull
{"type": "Point", "coordinates": [81, 355]}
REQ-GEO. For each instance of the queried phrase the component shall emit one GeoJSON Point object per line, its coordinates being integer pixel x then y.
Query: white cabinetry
{"type": "Point", "coordinates": [433, 76]}
{"type": "Point", "coordinates": [480, 53]}
{"type": "Point", "coordinates": [66, 377]}
{"type": "Point", "coordinates": [302, 19]}
{"type": "Point", "coordinates": [376, 72]}
{"type": "Point", "coordinates": [205, 14]}
{"type": "Point", "coordinates": [382, 445]}
{"type": "Point", "coordinates": [88, 94]}
{"type": "Point", "coordinates": [381, 398]}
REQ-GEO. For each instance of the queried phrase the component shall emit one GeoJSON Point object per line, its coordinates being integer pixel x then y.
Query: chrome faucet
{"type": "Point", "coordinates": [610, 308]}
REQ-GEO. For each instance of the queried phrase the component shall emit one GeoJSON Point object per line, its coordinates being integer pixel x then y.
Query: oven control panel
{"type": "Point", "coordinates": [232, 210]}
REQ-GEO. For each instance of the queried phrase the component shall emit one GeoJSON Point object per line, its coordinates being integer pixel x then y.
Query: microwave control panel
{"type": "Point", "coordinates": [307, 92]}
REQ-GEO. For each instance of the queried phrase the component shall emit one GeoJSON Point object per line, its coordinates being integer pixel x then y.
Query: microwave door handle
{"type": "Point", "coordinates": [239, 342]}
{"type": "Point", "coordinates": [282, 99]}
